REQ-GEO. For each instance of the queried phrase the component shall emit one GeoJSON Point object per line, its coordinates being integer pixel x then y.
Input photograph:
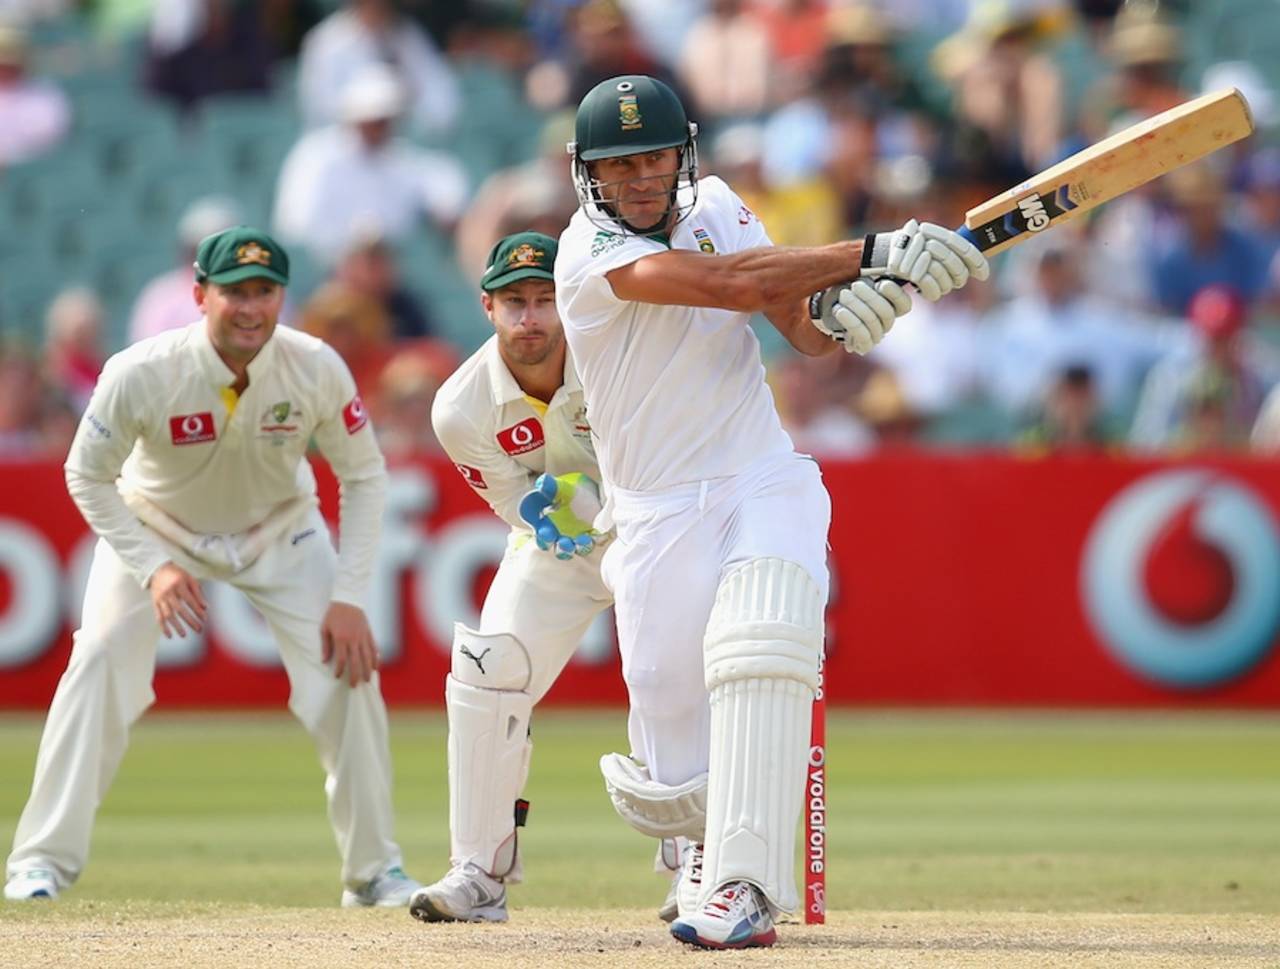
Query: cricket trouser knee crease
{"type": "Point", "coordinates": [762, 646]}
{"type": "Point", "coordinates": [489, 707]}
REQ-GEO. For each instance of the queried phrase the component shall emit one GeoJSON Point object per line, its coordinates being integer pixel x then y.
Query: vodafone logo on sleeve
{"type": "Point", "coordinates": [354, 415]}
{"type": "Point", "coordinates": [192, 428]}
{"type": "Point", "coordinates": [522, 438]}
{"type": "Point", "coordinates": [472, 476]}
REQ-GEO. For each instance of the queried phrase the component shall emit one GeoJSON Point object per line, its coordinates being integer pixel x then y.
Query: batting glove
{"type": "Point", "coordinates": [858, 315]}
{"type": "Point", "coordinates": [560, 511]}
{"type": "Point", "coordinates": [936, 260]}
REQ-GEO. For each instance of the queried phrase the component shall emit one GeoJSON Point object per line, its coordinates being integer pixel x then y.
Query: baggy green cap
{"type": "Point", "coordinates": [525, 255]}
{"type": "Point", "coordinates": [241, 252]}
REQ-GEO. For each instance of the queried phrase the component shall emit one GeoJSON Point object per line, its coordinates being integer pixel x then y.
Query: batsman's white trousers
{"type": "Point", "coordinates": [546, 603]}
{"type": "Point", "coordinates": [673, 548]}
{"type": "Point", "coordinates": [107, 686]}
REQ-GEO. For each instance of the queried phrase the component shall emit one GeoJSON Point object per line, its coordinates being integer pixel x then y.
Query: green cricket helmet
{"type": "Point", "coordinates": [629, 115]}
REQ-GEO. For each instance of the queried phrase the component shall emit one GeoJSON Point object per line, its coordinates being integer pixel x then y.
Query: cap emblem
{"type": "Point", "coordinates": [251, 252]}
{"type": "Point", "coordinates": [525, 255]}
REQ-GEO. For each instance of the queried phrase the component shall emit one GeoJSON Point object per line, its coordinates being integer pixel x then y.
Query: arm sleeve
{"type": "Point", "coordinates": [751, 231]}
{"type": "Point", "coordinates": [345, 437]}
{"type": "Point", "coordinates": [583, 295]}
{"type": "Point", "coordinates": [103, 441]}
{"type": "Point", "coordinates": [492, 474]}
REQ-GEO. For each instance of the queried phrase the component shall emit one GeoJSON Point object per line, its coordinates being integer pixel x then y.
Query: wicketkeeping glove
{"type": "Point", "coordinates": [560, 510]}
{"type": "Point", "coordinates": [933, 258]}
{"type": "Point", "coordinates": [858, 315]}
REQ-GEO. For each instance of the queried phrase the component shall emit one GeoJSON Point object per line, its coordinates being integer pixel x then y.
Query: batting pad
{"type": "Point", "coordinates": [651, 808]}
{"type": "Point", "coordinates": [762, 646]}
{"type": "Point", "coordinates": [489, 748]}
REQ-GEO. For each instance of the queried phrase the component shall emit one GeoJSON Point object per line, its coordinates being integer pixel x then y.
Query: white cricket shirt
{"type": "Point", "coordinates": [676, 393]}
{"type": "Point", "coordinates": [161, 422]}
{"type": "Point", "coordinates": [499, 441]}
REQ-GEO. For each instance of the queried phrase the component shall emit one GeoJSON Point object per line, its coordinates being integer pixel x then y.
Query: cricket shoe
{"type": "Point", "coordinates": [466, 893]}
{"type": "Point", "coordinates": [32, 883]}
{"type": "Point", "coordinates": [734, 917]}
{"type": "Point", "coordinates": [686, 884]}
{"type": "Point", "coordinates": [392, 889]}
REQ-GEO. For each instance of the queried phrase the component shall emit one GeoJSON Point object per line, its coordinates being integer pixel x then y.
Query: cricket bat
{"type": "Point", "coordinates": [1115, 165]}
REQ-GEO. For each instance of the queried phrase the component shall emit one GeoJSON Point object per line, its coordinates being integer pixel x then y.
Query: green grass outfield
{"type": "Point", "coordinates": [950, 811]}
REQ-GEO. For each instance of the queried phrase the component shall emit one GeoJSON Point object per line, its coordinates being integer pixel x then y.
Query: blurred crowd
{"type": "Point", "coordinates": [1151, 325]}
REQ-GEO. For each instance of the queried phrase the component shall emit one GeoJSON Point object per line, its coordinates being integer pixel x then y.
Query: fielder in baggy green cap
{"type": "Point", "coordinates": [241, 252]}
{"type": "Point", "coordinates": [524, 255]}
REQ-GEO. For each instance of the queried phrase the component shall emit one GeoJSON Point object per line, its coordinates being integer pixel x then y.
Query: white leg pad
{"type": "Point", "coordinates": [489, 749]}
{"type": "Point", "coordinates": [762, 647]}
{"type": "Point", "coordinates": [658, 810]}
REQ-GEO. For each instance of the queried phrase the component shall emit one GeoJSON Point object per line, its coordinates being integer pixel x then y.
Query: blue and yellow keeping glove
{"type": "Point", "coordinates": [560, 510]}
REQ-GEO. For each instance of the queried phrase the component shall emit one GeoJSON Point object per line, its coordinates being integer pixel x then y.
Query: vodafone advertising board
{"type": "Point", "coordinates": [979, 580]}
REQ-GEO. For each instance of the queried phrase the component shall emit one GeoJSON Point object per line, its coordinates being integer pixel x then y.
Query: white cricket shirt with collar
{"type": "Point", "coordinates": [499, 441]}
{"type": "Point", "coordinates": [676, 393]}
{"type": "Point", "coordinates": [162, 422]}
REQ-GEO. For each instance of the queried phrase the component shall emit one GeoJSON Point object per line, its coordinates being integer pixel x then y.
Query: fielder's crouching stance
{"type": "Point", "coordinates": [513, 421]}
{"type": "Point", "coordinates": [718, 569]}
{"type": "Point", "coordinates": [190, 463]}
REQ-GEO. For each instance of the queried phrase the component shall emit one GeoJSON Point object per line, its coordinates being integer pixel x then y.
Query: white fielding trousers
{"type": "Point", "coordinates": [672, 550]}
{"type": "Point", "coordinates": [547, 604]}
{"type": "Point", "coordinates": [107, 686]}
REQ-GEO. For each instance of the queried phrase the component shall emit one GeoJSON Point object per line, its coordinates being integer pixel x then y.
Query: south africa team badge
{"type": "Point", "coordinates": [629, 112]}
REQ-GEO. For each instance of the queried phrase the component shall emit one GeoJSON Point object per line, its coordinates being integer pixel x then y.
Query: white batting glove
{"type": "Point", "coordinates": [933, 258]}
{"type": "Point", "coordinates": [858, 315]}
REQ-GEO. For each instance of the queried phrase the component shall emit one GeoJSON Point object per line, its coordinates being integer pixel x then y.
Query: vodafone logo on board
{"type": "Point", "coordinates": [522, 438]}
{"type": "Point", "coordinates": [192, 428]}
{"type": "Point", "coordinates": [1180, 575]}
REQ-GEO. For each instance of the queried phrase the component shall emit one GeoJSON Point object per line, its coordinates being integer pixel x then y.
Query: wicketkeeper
{"type": "Point", "coordinates": [512, 419]}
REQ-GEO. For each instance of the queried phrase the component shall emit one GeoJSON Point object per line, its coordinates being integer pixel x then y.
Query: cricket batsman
{"type": "Point", "coordinates": [190, 464]}
{"type": "Point", "coordinates": [718, 570]}
{"type": "Point", "coordinates": [512, 419]}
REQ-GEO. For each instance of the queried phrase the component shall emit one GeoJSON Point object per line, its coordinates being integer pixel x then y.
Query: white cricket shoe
{"type": "Point", "coordinates": [392, 889]}
{"type": "Point", "coordinates": [686, 883]}
{"type": "Point", "coordinates": [735, 917]}
{"type": "Point", "coordinates": [32, 883]}
{"type": "Point", "coordinates": [467, 893]}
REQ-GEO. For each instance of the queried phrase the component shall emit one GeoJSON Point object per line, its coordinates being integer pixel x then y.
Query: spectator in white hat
{"type": "Point", "coordinates": [365, 33]}
{"type": "Point", "coordinates": [355, 177]}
